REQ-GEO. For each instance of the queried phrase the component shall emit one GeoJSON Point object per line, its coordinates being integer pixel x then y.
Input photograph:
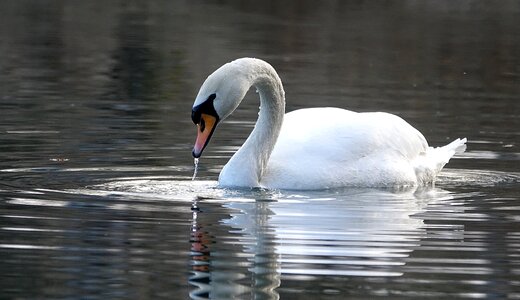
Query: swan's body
{"type": "Point", "coordinates": [312, 148]}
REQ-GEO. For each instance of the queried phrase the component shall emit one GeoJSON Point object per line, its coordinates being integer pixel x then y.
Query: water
{"type": "Point", "coordinates": [195, 168]}
{"type": "Point", "coordinates": [96, 196]}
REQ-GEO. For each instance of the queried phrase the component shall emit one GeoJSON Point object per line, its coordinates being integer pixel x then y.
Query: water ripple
{"type": "Point", "coordinates": [477, 178]}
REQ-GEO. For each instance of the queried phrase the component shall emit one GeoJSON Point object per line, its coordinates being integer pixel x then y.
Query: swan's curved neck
{"type": "Point", "coordinates": [246, 167]}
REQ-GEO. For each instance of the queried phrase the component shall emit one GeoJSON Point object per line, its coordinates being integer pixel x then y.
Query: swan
{"type": "Point", "coordinates": [311, 148]}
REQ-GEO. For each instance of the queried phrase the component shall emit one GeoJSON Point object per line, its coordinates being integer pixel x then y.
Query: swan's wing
{"type": "Point", "coordinates": [340, 145]}
{"type": "Point", "coordinates": [346, 135]}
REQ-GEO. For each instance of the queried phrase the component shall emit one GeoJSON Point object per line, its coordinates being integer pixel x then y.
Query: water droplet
{"type": "Point", "coordinates": [196, 163]}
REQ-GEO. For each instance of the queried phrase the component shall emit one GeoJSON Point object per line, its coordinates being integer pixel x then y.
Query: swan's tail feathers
{"type": "Point", "coordinates": [435, 159]}
{"type": "Point", "coordinates": [444, 153]}
{"type": "Point", "coordinates": [458, 146]}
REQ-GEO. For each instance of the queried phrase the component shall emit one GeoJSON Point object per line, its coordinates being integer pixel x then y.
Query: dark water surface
{"type": "Point", "coordinates": [96, 197]}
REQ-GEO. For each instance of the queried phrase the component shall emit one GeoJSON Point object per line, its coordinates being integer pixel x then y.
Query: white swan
{"type": "Point", "coordinates": [314, 148]}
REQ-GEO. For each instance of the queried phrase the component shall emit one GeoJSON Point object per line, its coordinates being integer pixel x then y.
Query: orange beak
{"type": "Point", "coordinates": [205, 129]}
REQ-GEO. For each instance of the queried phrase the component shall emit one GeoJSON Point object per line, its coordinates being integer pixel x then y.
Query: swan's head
{"type": "Point", "coordinates": [218, 97]}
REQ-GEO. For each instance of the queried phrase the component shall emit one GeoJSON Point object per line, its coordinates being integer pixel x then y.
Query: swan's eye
{"type": "Point", "coordinates": [211, 97]}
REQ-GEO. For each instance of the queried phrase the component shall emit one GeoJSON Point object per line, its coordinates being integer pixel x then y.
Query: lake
{"type": "Point", "coordinates": [96, 196]}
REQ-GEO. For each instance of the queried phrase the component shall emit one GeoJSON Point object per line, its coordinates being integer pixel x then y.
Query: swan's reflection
{"type": "Point", "coordinates": [219, 272]}
{"type": "Point", "coordinates": [341, 233]}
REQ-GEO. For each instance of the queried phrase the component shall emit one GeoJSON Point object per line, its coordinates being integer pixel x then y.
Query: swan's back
{"type": "Point", "coordinates": [331, 147]}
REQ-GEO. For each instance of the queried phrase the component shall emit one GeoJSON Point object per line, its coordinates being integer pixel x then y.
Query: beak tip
{"type": "Point", "coordinates": [196, 154]}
